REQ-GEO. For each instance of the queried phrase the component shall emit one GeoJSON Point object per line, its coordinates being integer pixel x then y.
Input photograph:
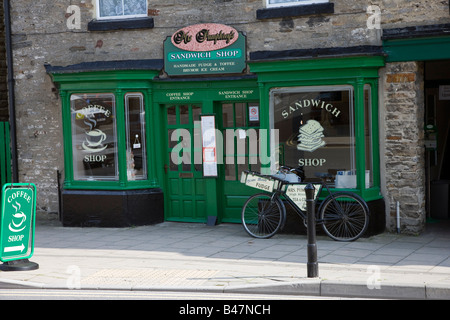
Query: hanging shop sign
{"type": "Point", "coordinates": [208, 48]}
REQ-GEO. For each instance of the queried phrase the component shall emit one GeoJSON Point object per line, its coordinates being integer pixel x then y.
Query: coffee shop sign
{"type": "Point", "coordinates": [204, 37]}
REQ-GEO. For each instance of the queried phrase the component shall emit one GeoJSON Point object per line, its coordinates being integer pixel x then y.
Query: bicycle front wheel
{"type": "Point", "coordinates": [345, 216]}
{"type": "Point", "coordinates": [263, 215]}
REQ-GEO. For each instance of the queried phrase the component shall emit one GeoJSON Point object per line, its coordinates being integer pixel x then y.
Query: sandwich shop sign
{"type": "Point", "coordinates": [208, 48]}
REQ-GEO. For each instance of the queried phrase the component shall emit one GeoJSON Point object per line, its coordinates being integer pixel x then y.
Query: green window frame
{"type": "Point", "coordinates": [127, 112]}
{"type": "Point", "coordinates": [107, 141]}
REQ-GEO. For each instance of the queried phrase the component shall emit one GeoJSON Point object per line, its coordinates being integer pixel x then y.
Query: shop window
{"type": "Point", "coordinates": [120, 9]}
{"type": "Point", "coordinates": [94, 137]}
{"type": "Point", "coordinates": [368, 135]}
{"type": "Point", "coordinates": [96, 150]}
{"type": "Point", "coordinates": [317, 131]}
{"type": "Point", "coordinates": [135, 129]}
{"type": "Point", "coordinates": [284, 3]}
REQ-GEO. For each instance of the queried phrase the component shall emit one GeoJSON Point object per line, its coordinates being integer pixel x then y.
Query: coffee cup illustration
{"type": "Point", "coordinates": [17, 219]}
{"type": "Point", "coordinates": [94, 141]}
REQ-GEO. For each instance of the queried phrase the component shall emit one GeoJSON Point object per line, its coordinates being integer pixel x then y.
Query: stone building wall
{"type": "Point", "coordinates": [404, 155]}
{"type": "Point", "coordinates": [4, 113]}
{"type": "Point", "coordinates": [41, 35]}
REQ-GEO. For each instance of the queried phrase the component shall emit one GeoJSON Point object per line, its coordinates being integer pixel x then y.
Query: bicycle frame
{"type": "Point", "coordinates": [282, 188]}
{"type": "Point", "coordinates": [279, 192]}
{"type": "Point", "coordinates": [344, 216]}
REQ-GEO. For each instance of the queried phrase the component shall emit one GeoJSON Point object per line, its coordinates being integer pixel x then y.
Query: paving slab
{"type": "Point", "coordinates": [223, 258]}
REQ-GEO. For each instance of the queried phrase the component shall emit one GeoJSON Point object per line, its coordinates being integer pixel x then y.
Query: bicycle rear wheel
{"type": "Point", "coordinates": [345, 216]}
{"type": "Point", "coordinates": [263, 215]}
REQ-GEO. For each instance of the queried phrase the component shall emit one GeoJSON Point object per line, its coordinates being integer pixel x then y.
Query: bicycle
{"type": "Point", "coordinates": [344, 215]}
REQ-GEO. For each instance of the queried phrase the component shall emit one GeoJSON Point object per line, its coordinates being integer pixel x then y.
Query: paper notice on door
{"type": "Point", "coordinates": [209, 146]}
{"type": "Point", "coordinates": [209, 154]}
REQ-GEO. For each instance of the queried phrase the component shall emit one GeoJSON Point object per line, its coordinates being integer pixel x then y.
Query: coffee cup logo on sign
{"type": "Point", "coordinates": [17, 220]}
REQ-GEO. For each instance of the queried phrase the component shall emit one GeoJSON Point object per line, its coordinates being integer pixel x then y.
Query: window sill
{"type": "Point", "coordinates": [122, 24]}
{"type": "Point", "coordinates": [294, 11]}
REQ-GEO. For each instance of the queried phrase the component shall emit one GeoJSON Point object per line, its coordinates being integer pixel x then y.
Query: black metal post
{"type": "Point", "coordinates": [312, 266]}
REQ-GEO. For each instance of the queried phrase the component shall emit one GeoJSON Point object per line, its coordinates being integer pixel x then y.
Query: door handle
{"type": "Point", "coordinates": [165, 168]}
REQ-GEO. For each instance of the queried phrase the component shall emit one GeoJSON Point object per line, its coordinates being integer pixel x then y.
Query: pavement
{"type": "Point", "coordinates": [190, 257]}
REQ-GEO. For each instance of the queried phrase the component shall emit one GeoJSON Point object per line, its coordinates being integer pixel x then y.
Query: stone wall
{"type": "Point", "coordinates": [41, 35]}
{"type": "Point", "coordinates": [402, 108]}
{"type": "Point", "coordinates": [4, 114]}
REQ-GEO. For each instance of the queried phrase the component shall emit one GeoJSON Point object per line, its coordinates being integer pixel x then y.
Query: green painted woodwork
{"type": "Point", "coordinates": [185, 184]}
{"type": "Point", "coordinates": [417, 49]}
{"type": "Point", "coordinates": [118, 83]}
{"type": "Point", "coordinates": [189, 196]}
{"type": "Point", "coordinates": [233, 194]}
{"type": "Point", "coordinates": [194, 199]}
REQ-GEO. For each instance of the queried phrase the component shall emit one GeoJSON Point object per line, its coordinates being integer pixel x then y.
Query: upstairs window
{"type": "Point", "coordinates": [286, 3]}
{"type": "Point", "coordinates": [120, 9]}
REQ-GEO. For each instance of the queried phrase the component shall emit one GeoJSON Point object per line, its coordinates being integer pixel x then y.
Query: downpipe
{"type": "Point", "coordinates": [11, 96]}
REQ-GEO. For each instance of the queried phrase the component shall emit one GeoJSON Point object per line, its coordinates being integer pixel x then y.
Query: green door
{"type": "Point", "coordinates": [185, 194]}
{"type": "Point", "coordinates": [240, 124]}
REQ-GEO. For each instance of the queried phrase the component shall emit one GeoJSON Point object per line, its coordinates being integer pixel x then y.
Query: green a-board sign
{"type": "Point", "coordinates": [17, 221]}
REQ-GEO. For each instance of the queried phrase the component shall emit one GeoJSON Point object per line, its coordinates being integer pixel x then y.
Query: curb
{"type": "Point", "coordinates": [333, 288]}
{"type": "Point", "coordinates": [309, 287]}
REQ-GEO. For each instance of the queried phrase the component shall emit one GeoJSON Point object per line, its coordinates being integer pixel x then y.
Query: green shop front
{"type": "Point", "coordinates": [137, 149]}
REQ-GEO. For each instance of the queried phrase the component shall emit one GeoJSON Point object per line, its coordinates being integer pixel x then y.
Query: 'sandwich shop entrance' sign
{"type": "Point", "coordinates": [208, 48]}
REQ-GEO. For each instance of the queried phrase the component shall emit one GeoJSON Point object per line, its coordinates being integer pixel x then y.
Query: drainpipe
{"type": "Point", "coordinates": [11, 97]}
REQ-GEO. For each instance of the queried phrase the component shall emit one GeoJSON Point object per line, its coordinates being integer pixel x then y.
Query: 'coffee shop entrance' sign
{"type": "Point", "coordinates": [208, 48]}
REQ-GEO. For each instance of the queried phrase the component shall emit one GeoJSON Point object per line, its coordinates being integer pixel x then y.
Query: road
{"type": "Point", "coordinates": [50, 294]}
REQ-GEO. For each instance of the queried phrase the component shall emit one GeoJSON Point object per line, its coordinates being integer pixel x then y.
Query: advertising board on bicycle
{"type": "Point", "coordinates": [258, 182]}
{"type": "Point", "coordinates": [296, 192]}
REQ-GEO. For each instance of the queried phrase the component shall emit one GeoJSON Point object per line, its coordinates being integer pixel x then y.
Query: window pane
{"type": "Point", "coordinates": [135, 7]}
{"type": "Point", "coordinates": [368, 135]}
{"type": "Point", "coordinates": [184, 114]}
{"type": "Point", "coordinates": [274, 3]}
{"type": "Point", "coordinates": [110, 8]}
{"type": "Point", "coordinates": [241, 110]}
{"type": "Point", "coordinates": [227, 115]}
{"type": "Point", "coordinates": [240, 138]}
{"type": "Point", "coordinates": [117, 8]}
{"type": "Point", "coordinates": [172, 116]}
{"type": "Point", "coordinates": [94, 139]}
{"type": "Point", "coordinates": [196, 111]}
{"type": "Point", "coordinates": [135, 126]}
{"type": "Point", "coordinates": [316, 130]}
{"type": "Point", "coordinates": [283, 1]}
{"type": "Point", "coordinates": [230, 169]}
